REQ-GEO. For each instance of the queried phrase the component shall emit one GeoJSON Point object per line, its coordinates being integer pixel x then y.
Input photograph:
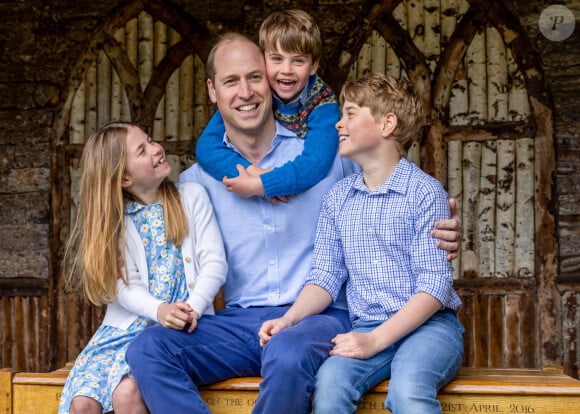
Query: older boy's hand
{"type": "Point", "coordinates": [271, 328]}
{"type": "Point", "coordinates": [354, 345]}
{"type": "Point", "coordinates": [449, 232]}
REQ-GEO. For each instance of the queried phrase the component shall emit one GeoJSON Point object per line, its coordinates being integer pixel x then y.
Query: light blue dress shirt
{"type": "Point", "coordinates": [268, 247]}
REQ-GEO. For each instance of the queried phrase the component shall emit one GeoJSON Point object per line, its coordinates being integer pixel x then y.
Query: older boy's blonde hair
{"type": "Point", "coordinates": [94, 257]}
{"type": "Point", "coordinates": [294, 31]}
{"type": "Point", "coordinates": [384, 94]}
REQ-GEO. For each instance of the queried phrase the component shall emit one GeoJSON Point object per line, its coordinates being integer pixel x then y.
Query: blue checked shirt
{"type": "Point", "coordinates": [378, 242]}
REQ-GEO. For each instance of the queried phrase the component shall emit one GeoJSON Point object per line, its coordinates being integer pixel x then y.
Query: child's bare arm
{"type": "Point", "coordinates": [311, 301]}
{"type": "Point", "coordinates": [416, 311]}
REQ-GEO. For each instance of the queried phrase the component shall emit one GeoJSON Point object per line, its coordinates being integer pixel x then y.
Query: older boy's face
{"type": "Point", "coordinates": [358, 131]}
{"type": "Point", "coordinates": [240, 87]}
{"type": "Point", "coordinates": [288, 72]}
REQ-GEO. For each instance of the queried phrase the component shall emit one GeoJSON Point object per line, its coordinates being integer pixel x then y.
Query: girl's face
{"type": "Point", "coordinates": [288, 73]}
{"type": "Point", "coordinates": [145, 166]}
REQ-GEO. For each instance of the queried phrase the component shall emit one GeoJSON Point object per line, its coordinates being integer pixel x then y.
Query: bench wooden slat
{"type": "Point", "coordinates": [474, 390]}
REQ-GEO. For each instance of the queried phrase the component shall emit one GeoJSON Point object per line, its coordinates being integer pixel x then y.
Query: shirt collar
{"type": "Point", "coordinates": [132, 207]}
{"type": "Point", "coordinates": [397, 181]}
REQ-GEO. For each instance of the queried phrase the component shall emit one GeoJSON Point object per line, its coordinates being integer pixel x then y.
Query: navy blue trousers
{"type": "Point", "coordinates": [169, 365]}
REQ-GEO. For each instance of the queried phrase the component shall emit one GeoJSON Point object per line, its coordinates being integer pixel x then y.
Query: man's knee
{"type": "Point", "coordinates": [141, 345]}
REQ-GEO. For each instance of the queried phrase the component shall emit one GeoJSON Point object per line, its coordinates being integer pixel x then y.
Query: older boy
{"type": "Point", "coordinates": [373, 235]}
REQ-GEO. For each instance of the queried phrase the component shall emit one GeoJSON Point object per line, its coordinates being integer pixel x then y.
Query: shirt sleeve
{"type": "Point", "coordinates": [307, 169]}
{"type": "Point", "coordinates": [328, 267]}
{"type": "Point", "coordinates": [430, 264]}
{"type": "Point", "coordinates": [214, 156]}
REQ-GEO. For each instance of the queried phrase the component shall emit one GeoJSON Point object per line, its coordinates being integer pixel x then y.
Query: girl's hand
{"type": "Point", "coordinates": [355, 345]}
{"type": "Point", "coordinates": [193, 324]}
{"type": "Point", "coordinates": [175, 315]}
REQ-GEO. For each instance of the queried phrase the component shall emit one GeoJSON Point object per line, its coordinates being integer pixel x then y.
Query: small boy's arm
{"type": "Point", "coordinates": [213, 154]}
{"type": "Point", "coordinates": [308, 168]}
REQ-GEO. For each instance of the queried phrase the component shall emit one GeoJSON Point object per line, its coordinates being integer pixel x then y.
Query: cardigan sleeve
{"type": "Point", "coordinates": [134, 296]}
{"type": "Point", "coordinates": [208, 247]}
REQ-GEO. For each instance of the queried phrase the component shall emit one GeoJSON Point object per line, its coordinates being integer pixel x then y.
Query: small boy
{"type": "Point", "coordinates": [303, 103]}
{"type": "Point", "coordinates": [373, 234]}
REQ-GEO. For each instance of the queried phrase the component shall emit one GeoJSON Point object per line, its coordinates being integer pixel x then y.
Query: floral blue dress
{"type": "Point", "coordinates": [101, 364]}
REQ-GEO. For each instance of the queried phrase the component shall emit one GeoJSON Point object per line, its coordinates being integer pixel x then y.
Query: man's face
{"type": "Point", "coordinates": [240, 87]}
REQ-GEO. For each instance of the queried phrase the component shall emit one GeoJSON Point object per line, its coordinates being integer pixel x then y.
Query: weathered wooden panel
{"type": "Point", "coordinates": [497, 324]}
{"type": "Point", "coordinates": [24, 332]}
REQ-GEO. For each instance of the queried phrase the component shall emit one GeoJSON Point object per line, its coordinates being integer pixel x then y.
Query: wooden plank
{"type": "Point", "coordinates": [6, 390]}
{"type": "Point", "coordinates": [474, 390]}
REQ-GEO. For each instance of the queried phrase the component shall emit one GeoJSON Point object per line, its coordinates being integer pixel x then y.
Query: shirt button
{"type": "Point", "coordinates": [188, 259]}
{"type": "Point", "coordinates": [370, 230]}
{"type": "Point", "coordinates": [272, 262]}
{"type": "Point", "coordinates": [191, 285]}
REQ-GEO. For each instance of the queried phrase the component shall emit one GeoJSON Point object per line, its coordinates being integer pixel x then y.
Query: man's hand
{"type": "Point", "coordinates": [449, 232]}
{"type": "Point", "coordinates": [281, 199]}
{"type": "Point", "coordinates": [271, 328]}
{"type": "Point", "coordinates": [176, 315]}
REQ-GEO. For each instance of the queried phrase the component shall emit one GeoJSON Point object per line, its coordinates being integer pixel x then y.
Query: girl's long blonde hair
{"type": "Point", "coordinates": [93, 257]}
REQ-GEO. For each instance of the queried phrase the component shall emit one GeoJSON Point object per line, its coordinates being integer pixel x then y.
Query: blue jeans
{"type": "Point", "coordinates": [169, 365]}
{"type": "Point", "coordinates": [418, 366]}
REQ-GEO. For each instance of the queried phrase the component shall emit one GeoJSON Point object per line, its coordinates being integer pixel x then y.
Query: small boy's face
{"type": "Point", "coordinates": [358, 131]}
{"type": "Point", "coordinates": [288, 72]}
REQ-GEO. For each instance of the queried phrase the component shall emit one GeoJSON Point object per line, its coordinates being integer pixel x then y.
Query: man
{"type": "Point", "coordinates": [268, 249]}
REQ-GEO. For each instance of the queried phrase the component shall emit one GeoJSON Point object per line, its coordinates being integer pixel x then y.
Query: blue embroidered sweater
{"type": "Point", "coordinates": [314, 119]}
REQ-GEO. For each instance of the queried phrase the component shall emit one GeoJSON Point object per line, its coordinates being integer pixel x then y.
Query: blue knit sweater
{"type": "Point", "coordinates": [314, 120]}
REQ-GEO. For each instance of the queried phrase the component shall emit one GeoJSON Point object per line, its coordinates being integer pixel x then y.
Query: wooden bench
{"type": "Point", "coordinates": [475, 390]}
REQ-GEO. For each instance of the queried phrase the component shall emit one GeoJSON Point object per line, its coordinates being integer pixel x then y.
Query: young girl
{"type": "Point", "coordinates": [152, 253]}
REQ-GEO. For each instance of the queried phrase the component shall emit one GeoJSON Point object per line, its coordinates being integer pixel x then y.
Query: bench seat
{"type": "Point", "coordinates": [474, 390]}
